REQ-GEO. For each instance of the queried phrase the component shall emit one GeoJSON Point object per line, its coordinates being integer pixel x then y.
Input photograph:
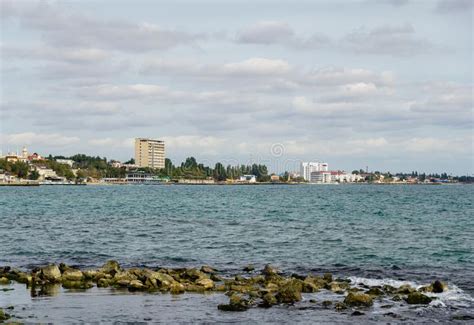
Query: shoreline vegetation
{"type": "Point", "coordinates": [250, 288]}
{"type": "Point", "coordinates": [82, 169]}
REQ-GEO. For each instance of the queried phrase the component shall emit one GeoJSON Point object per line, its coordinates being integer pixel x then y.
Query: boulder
{"type": "Point", "coordinates": [439, 286]}
{"type": "Point", "coordinates": [249, 268]}
{"type": "Point", "coordinates": [417, 298]}
{"type": "Point", "coordinates": [326, 303]}
{"type": "Point", "coordinates": [207, 269]}
{"type": "Point", "coordinates": [50, 273]}
{"type": "Point", "coordinates": [236, 303]}
{"type": "Point", "coordinates": [135, 285]}
{"type": "Point", "coordinates": [72, 275]}
{"type": "Point", "coordinates": [375, 291]}
{"type": "Point", "coordinates": [357, 299]}
{"type": "Point", "coordinates": [3, 316]}
{"type": "Point", "coordinates": [327, 277]}
{"type": "Point", "coordinates": [290, 292]}
{"type": "Point", "coordinates": [206, 283]}
{"type": "Point", "coordinates": [4, 281]}
{"type": "Point", "coordinates": [111, 267]}
{"type": "Point", "coordinates": [103, 283]}
{"type": "Point", "coordinates": [176, 288]}
{"type": "Point", "coordinates": [405, 289]}
{"type": "Point", "coordinates": [340, 306]}
{"type": "Point", "coordinates": [269, 270]}
{"type": "Point", "coordinates": [90, 274]}
{"type": "Point", "coordinates": [77, 285]}
{"type": "Point", "coordinates": [268, 300]}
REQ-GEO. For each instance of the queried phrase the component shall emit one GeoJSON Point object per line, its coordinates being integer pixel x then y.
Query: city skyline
{"type": "Point", "coordinates": [315, 79]}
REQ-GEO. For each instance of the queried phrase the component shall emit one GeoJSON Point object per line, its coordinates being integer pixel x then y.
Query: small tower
{"type": "Point", "coordinates": [24, 153]}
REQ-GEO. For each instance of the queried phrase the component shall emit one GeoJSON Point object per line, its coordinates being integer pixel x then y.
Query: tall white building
{"type": "Point", "coordinates": [309, 167]}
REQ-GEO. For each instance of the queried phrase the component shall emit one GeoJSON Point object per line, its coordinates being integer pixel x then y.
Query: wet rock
{"type": "Point", "coordinates": [309, 287]}
{"type": "Point", "coordinates": [176, 288]}
{"type": "Point", "coordinates": [4, 281]}
{"type": "Point", "coordinates": [268, 300]}
{"type": "Point", "coordinates": [236, 303]}
{"type": "Point", "coordinates": [90, 274]}
{"type": "Point", "coordinates": [269, 270]}
{"type": "Point", "coordinates": [249, 268]}
{"type": "Point", "coordinates": [111, 267]}
{"type": "Point", "coordinates": [77, 285]}
{"type": "Point", "coordinates": [313, 301]}
{"type": "Point", "coordinates": [357, 313]}
{"type": "Point", "coordinates": [388, 288]}
{"type": "Point", "coordinates": [72, 275]}
{"type": "Point", "coordinates": [318, 282]}
{"type": "Point", "coordinates": [358, 300]}
{"type": "Point", "coordinates": [337, 287]}
{"type": "Point", "coordinates": [340, 306]}
{"type": "Point", "coordinates": [405, 289]}
{"type": "Point", "coordinates": [158, 280]}
{"type": "Point", "coordinates": [386, 306]}
{"type": "Point", "coordinates": [216, 278]}
{"type": "Point", "coordinates": [439, 286]}
{"type": "Point", "coordinates": [50, 273]}
{"type": "Point", "coordinates": [397, 298]}
{"type": "Point", "coordinates": [206, 283]}
{"type": "Point", "coordinates": [135, 285]}
{"type": "Point", "coordinates": [103, 283]}
{"type": "Point", "coordinates": [3, 316]}
{"type": "Point", "coordinates": [191, 287]}
{"type": "Point", "coordinates": [123, 279]}
{"type": "Point", "coordinates": [208, 269]}
{"type": "Point", "coordinates": [290, 292]}
{"type": "Point", "coordinates": [417, 298]}
{"type": "Point", "coordinates": [240, 278]}
{"type": "Point", "coordinates": [327, 277]}
{"type": "Point", "coordinates": [327, 303]}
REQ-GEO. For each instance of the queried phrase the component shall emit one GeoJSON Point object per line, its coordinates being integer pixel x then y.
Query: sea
{"type": "Point", "coordinates": [372, 234]}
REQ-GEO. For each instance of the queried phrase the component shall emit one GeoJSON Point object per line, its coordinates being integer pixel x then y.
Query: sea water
{"type": "Point", "coordinates": [371, 233]}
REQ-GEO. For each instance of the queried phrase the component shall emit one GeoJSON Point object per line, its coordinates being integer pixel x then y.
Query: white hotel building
{"type": "Point", "coordinates": [309, 167]}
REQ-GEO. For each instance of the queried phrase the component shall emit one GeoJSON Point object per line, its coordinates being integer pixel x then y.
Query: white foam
{"type": "Point", "coordinates": [453, 296]}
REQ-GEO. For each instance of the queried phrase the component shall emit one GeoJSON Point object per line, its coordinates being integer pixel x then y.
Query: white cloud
{"type": "Point", "coordinates": [257, 66]}
{"type": "Point", "coordinates": [112, 142]}
{"type": "Point", "coordinates": [39, 139]}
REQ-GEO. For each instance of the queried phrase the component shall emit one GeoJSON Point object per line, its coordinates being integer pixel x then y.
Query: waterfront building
{"type": "Point", "coordinates": [248, 178]}
{"type": "Point", "coordinates": [275, 178]}
{"type": "Point", "coordinates": [320, 177]}
{"type": "Point", "coordinates": [150, 153]}
{"type": "Point", "coordinates": [309, 167]}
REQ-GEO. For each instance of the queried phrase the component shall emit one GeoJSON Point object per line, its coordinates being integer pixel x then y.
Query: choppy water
{"type": "Point", "coordinates": [407, 233]}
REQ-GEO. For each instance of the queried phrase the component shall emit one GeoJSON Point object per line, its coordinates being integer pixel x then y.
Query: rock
{"type": "Point", "coordinates": [268, 300]}
{"type": "Point", "coordinates": [388, 288]}
{"type": "Point", "coordinates": [103, 283]}
{"type": "Point", "coordinates": [111, 267]}
{"type": "Point", "coordinates": [208, 269]}
{"type": "Point", "coordinates": [249, 268]}
{"type": "Point", "coordinates": [439, 286]}
{"type": "Point", "coordinates": [327, 277]}
{"type": "Point", "coordinates": [327, 303]}
{"type": "Point", "coordinates": [340, 306]}
{"type": "Point", "coordinates": [191, 287]}
{"type": "Point", "coordinates": [240, 278]}
{"type": "Point", "coordinates": [72, 275]}
{"type": "Point", "coordinates": [290, 292]}
{"type": "Point", "coordinates": [216, 278]}
{"type": "Point", "coordinates": [135, 285]}
{"type": "Point", "coordinates": [176, 288]}
{"type": "Point", "coordinates": [4, 281]}
{"type": "Point", "coordinates": [269, 270]}
{"type": "Point", "coordinates": [358, 300]}
{"type": "Point", "coordinates": [50, 273]}
{"type": "Point", "coordinates": [158, 280]}
{"type": "Point", "coordinates": [206, 283]}
{"type": "Point", "coordinates": [236, 303]}
{"type": "Point", "coordinates": [193, 274]}
{"type": "Point", "coordinates": [90, 274]}
{"type": "Point", "coordinates": [3, 316]}
{"type": "Point", "coordinates": [417, 298]}
{"type": "Point", "coordinates": [313, 301]}
{"type": "Point", "coordinates": [397, 298]}
{"type": "Point", "coordinates": [357, 313]}
{"type": "Point", "coordinates": [309, 287]}
{"type": "Point", "coordinates": [337, 287]}
{"type": "Point", "coordinates": [405, 289]}
{"type": "Point", "coordinates": [77, 285]}
{"type": "Point", "coordinates": [318, 282]}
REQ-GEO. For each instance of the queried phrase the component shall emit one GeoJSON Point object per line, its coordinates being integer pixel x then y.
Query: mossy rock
{"type": "Point", "coordinates": [4, 281]}
{"type": "Point", "coordinates": [111, 267]}
{"type": "Point", "coordinates": [340, 306]}
{"type": "Point", "coordinates": [290, 292]}
{"type": "Point", "coordinates": [50, 273]}
{"type": "Point", "coordinates": [357, 299]}
{"type": "Point", "coordinates": [405, 289]}
{"type": "Point", "coordinates": [375, 291]}
{"type": "Point", "coordinates": [236, 303]}
{"type": "Point", "coordinates": [268, 300]}
{"type": "Point", "coordinates": [77, 285]}
{"type": "Point", "coordinates": [72, 275]}
{"type": "Point", "coordinates": [417, 298]}
{"type": "Point", "coordinates": [177, 288]}
{"type": "Point", "coordinates": [3, 316]}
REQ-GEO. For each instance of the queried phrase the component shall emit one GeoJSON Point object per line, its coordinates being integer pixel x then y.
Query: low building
{"type": "Point", "coordinates": [275, 178]}
{"type": "Point", "coordinates": [320, 177]}
{"type": "Point", "coordinates": [248, 179]}
{"type": "Point", "coordinates": [139, 177]}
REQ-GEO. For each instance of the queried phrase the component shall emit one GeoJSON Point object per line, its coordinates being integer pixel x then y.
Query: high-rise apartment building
{"type": "Point", "coordinates": [149, 153]}
{"type": "Point", "coordinates": [308, 167]}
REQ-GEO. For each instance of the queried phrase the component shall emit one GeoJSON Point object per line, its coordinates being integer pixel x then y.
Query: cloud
{"type": "Point", "coordinates": [387, 40]}
{"type": "Point", "coordinates": [39, 139]}
{"type": "Point", "coordinates": [47, 53]}
{"type": "Point", "coordinates": [62, 28]}
{"type": "Point", "coordinates": [454, 6]}
{"type": "Point", "coordinates": [279, 32]}
{"type": "Point", "coordinates": [112, 142]}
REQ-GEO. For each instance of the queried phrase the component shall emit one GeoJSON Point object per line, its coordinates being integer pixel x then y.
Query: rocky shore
{"type": "Point", "coordinates": [249, 289]}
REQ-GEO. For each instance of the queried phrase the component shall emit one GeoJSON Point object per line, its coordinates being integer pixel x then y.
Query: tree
{"type": "Point", "coordinates": [34, 175]}
{"type": "Point", "coordinates": [130, 162]}
{"type": "Point", "coordinates": [20, 169]}
{"type": "Point", "coordinates": [355, 172]}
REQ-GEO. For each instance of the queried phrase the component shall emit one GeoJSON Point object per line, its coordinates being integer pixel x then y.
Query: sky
{"type": "Point", "coordinates": [383, 84]}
